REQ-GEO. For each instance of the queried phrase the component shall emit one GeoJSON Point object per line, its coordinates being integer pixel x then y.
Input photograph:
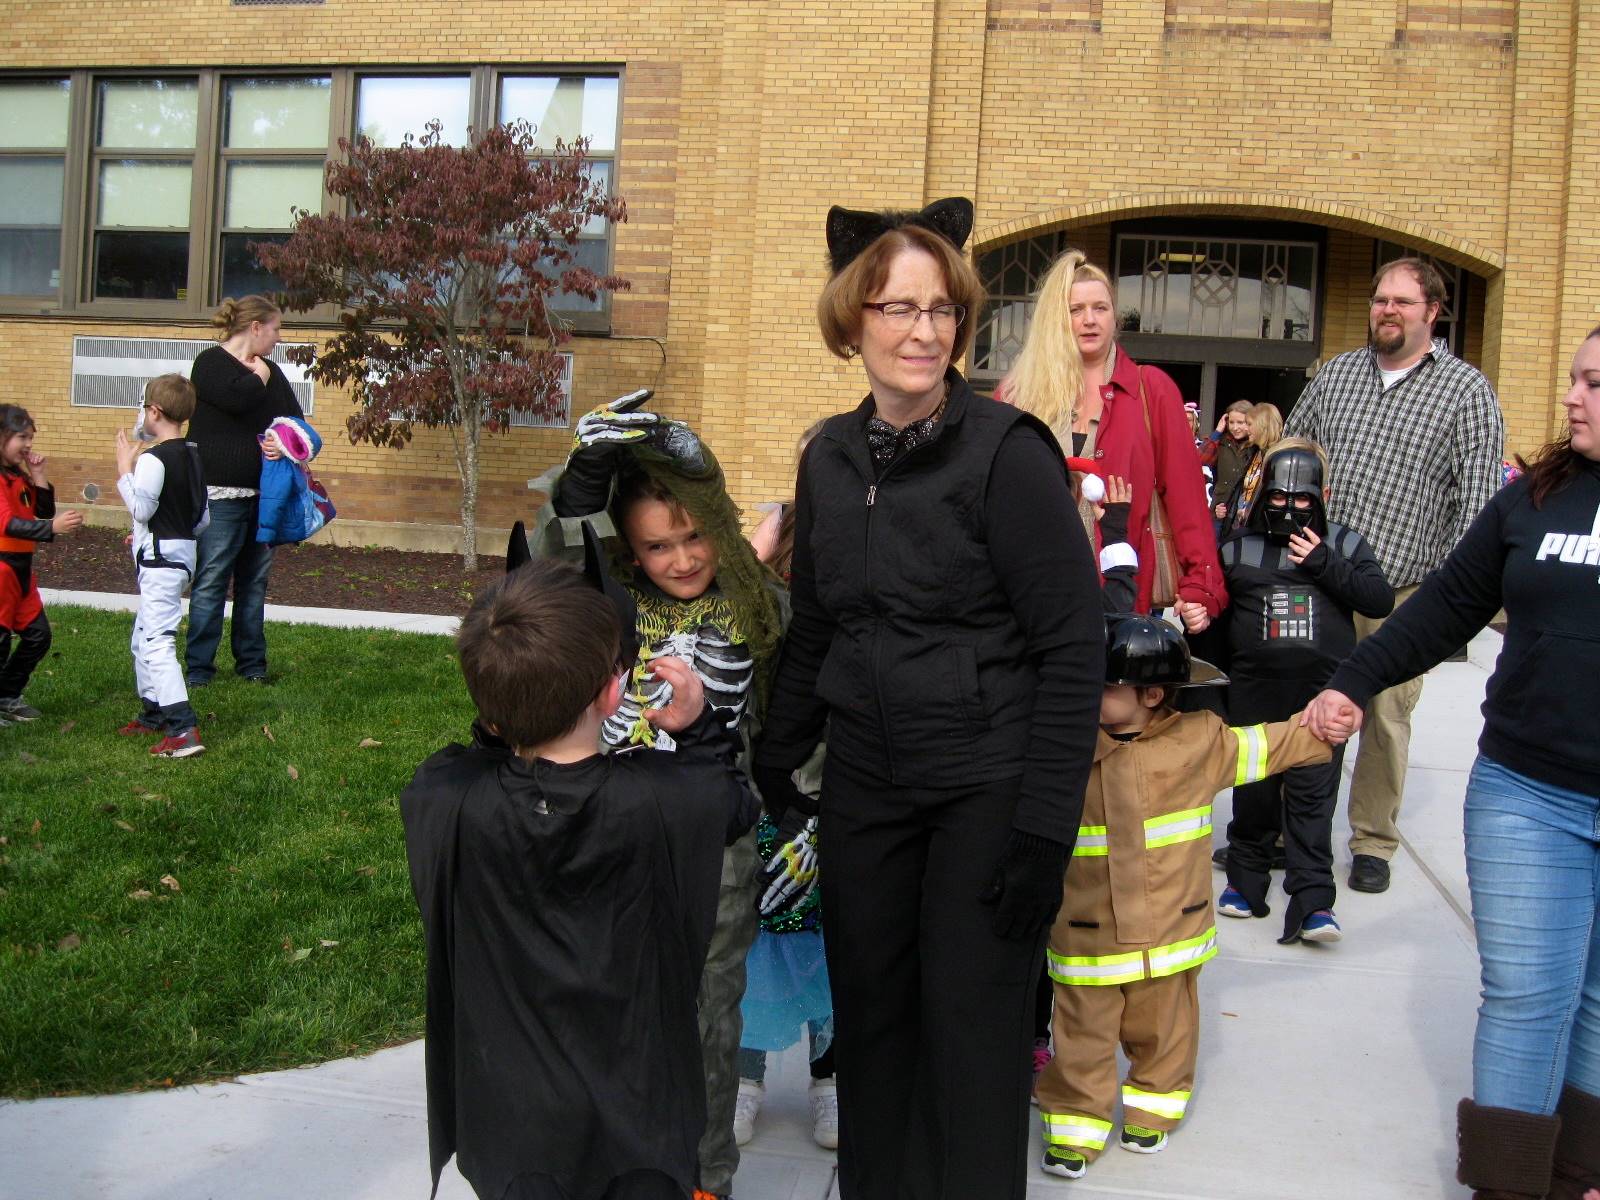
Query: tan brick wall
{"type": "Point", "coordinates": [1468, 127]}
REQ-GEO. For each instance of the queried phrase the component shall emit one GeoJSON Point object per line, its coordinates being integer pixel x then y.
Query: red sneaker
{"type": "Point", "coordinates": [178, 745]}
{"type": "Point", "coordinates": [137, 728]}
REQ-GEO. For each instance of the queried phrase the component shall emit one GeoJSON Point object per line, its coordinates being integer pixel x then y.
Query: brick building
{"type": "Point", "coordinates": [1238, 165]}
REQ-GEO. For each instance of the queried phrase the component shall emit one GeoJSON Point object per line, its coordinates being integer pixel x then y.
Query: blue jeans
{"type": "Point", "coordinates": [1533, 864]}
{"type": "Point", "coordinates": [228, 551]}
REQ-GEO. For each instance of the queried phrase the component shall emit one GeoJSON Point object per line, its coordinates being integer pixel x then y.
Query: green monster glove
{"type": "Point", "coordinates": [1026, 889]}
{"type": "Point", "coordinates": [789, 876]}
{"type": "Point", "coordinates": [585, 485]}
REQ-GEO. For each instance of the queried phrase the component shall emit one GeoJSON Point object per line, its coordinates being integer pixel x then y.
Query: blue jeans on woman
{"type": "Point", "coordinates": [1533, 865]}
{"type": "Point", "coordinates": [228, 551]}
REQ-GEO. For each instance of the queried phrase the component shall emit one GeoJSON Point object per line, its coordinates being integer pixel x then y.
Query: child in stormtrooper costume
{"type": "Point", "coordinates": [164, 488]}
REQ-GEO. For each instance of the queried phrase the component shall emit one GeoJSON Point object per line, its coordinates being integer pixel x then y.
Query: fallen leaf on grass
{"type": "Point", "coordinates": [293, 772]}
{"type": "Point", "coordinates": [266, 730]}
{"type": "Point", "coordinates": [367, 743]}
{"type": "Point", "coordinates": [326, 943]}
{"type": "Point", "coordinates": [71, 942]}
{"type": "Point", "coordinates": [121, 824]}
{"type": "Point", "coordinates": [366, 870]}
{"type": "Point", "coordinates": [36, 827]}
{"type": "Point", "coordinates": [301, 954]}
{"type": "Point", "coordinates": [108, 808]}
{"type": "Point", "coordinates": [68, 726]}
{"type": "Point", "coordinates": [139, 894]}
{"type": "Point", "coordinates": [167, 881]}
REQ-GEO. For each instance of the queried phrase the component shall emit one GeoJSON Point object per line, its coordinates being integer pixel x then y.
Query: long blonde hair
{"type": "Point", "coordinates": [1047, 379]}
{"type": "Point", "coordinates": [1266, 425]}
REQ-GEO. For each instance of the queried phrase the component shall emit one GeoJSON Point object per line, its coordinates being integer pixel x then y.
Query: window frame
{"type": "Point", "coordinates": [209, 159]}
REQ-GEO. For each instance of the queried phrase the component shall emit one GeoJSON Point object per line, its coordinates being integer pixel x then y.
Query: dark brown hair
{"type": "Point", "coordinates": [1555, 464]}
{"type": "Point", "coordinates": [839, 306]}
{"type": "Point", "coordinates": [235, 316]}
{"type": "Point", "coordinates": [634, 487]}
{"type": "Point", "coordinates": [14, 419]}
{"type": "Point", "coordinates": [536, 648]}
{"type": "Point", "coordinates": [173, 395]}
{"type": "Point", "coordinates": [1424, 272]}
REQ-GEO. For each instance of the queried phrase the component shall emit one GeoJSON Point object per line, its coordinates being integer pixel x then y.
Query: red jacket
{"type": "Point", "coordinates": [1164, 458]}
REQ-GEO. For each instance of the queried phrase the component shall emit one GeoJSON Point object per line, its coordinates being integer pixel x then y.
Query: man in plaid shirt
{"type": "Point", "coordinates": [1414, 437]}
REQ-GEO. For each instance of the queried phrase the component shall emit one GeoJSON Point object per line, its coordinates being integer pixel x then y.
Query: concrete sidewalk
{"type": "Point", "coordinates": [1325, 1072]}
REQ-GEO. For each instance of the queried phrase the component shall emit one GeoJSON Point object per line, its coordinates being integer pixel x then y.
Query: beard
{"type": "Point", "coordinates": [1387, 339]}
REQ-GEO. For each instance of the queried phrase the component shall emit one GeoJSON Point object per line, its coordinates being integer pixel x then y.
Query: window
{"type": "Point", "coordinates": [1217, 287]}
{"type": "Point", "coordinates": [34, 119]}
{"type": "Point", "coordinates": [139, 193]}
{"type": "Point", "coordinates": [274, 134]}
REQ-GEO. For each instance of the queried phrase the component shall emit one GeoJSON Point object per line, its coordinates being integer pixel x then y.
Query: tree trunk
{"type": "Point", "coordinates": [471, 429]}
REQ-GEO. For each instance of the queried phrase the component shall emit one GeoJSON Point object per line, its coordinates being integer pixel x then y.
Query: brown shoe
{"type": "Point", "coordinates": [1577, 1159]}
{"type": "Point", "coordinates": [1504, 1154]}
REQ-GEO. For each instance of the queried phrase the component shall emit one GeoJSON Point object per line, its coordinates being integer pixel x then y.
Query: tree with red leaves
{"type": "Point", "coordinates": [443, 267]}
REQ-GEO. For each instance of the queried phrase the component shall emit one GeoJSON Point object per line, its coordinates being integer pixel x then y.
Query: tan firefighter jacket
{"type": "Point", "coordinates": [1138, 892]}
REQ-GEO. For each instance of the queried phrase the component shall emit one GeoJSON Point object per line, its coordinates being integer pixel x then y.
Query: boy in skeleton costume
{"type": "Point", "coordinates": [1295, 578]}
{"type": "Point", "coordinates": [703, 596]}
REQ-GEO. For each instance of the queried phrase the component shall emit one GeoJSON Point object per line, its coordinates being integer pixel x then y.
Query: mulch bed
{"type": "Point", "coordinates": [96, 559]}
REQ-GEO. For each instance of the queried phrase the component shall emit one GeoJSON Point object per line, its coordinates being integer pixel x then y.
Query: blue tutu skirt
{"type": "Point", "coordinates": [786, 985]}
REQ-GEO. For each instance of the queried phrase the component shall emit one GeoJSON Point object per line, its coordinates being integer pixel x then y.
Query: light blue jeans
{"type": "Point", "coordinates": [1533, 865]}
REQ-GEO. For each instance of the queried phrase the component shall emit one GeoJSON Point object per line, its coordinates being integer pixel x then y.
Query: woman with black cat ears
{"type": "Point", "coordinates": [947, 629]}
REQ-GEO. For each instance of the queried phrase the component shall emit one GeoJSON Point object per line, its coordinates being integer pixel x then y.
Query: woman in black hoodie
{"type": "Point", "coordinates": [1532, 806]}
{"type": "Point", "coordinates": [947, 629]}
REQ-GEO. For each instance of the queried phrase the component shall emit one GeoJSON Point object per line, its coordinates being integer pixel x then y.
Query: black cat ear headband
{"type": "Point", "coordinates": [852, 230]}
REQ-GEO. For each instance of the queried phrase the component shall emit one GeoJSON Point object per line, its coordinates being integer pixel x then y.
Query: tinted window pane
{"type": "Point", "coordinates": [277, 114]}
{"type": "Point", "coordinates": [242, 275]}
{"type": "Point", "coordinates": [141, 266]}
{"type": "Point", "coordinates": [30, 191]}
{"type": "Point", "coordinates": [589, 253]}
{"type": "Point", "coordinates": [33, 113]}
{"type": "Point", "coordinates": [138, 114]}
{"type": "Point", "coordinates": [563, 107]}
{"type": "Point", "coordinates": [261, 194]}
{"type": "Point", "coordinates": [30, 261]}
{"type": "Point", "coordinates": [389, 107]}
{"type": "Point", "coordinates": [143, 193]}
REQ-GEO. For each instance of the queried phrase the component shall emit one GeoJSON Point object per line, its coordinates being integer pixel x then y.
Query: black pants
{"type": "Point", "coordinates": [1298, 803]}
{"type": "Point", "coordinates": [17, 667]}
{"type": "Point", "coordinates": [635, 1185]}
{"type": "Point", "coordinates": [933, 1013]}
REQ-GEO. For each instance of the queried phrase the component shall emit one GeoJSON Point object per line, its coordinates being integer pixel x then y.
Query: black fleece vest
{"type": "Point", "coordinates": [927, 676]}
{"type": "Point", "coordinates": [183, 495]}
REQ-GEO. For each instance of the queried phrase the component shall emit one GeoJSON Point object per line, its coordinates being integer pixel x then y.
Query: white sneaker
{"type": "Point", "coordinates": [746, 1105]}
{"type": "Point", "coordinates": [824, 1096]}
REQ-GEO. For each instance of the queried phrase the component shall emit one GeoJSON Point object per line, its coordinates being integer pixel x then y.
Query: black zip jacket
{"type": "Point", "coordinates": [232, 407]}
{"type": "Point", "coordinates": [947, 618]}
{"type": "Point", "coordinates": [1540, 565]}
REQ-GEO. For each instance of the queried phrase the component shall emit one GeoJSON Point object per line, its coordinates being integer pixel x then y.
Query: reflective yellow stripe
{"type": "Point", "coordinates": [1169, 1104]}
{"type": "Point", "coordinates": [1091, 842]}
{"type": "Point", "coordinates": [1183, 956]}
{"type": "Point", "coordinates": [1094, 971]}
{"type": "Point", "coordinates": [1072, 1129]}
{"type": "Point", "coordinates": [1252, 754]}
{"type": "Point", "coordinates": [1185, 826]}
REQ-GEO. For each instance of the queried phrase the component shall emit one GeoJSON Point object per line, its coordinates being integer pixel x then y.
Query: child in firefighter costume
{"type": "Point", "coordinates": [703, 596]}
{"type": "Point", "coordinates": [1136, 921]}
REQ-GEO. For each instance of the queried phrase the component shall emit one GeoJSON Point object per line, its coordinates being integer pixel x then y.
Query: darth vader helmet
{"type": "Point", "coordinates": [1289, 499]}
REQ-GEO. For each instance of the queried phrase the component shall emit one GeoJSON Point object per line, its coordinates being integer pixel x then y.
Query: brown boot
{"type": "Point", "coordinates": [1577, 1159]}
{"type": "Point", "coordinates": [1504, 1154]}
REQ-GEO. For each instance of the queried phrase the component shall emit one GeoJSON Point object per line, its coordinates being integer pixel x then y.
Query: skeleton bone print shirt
{"type": "Point", "coordinates": [702, 632]}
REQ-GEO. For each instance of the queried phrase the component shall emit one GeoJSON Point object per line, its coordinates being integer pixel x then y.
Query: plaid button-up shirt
{"type": "Point", "coordinates": [1411, 466]}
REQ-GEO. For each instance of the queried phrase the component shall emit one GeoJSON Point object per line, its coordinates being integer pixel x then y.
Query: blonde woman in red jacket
{"type": "Point", "coordinates": [1073, 377]}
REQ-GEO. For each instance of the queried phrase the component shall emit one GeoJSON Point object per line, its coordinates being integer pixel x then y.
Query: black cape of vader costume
{"type": "Point", "coordinates": [566, 911]}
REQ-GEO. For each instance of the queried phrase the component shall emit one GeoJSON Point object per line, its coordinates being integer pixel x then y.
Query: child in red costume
{"type": "Point", "coordinates": [27, 517]}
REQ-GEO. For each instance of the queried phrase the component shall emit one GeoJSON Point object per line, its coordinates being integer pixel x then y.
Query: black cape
{"type": "Point", "coordinates": [567, 910]}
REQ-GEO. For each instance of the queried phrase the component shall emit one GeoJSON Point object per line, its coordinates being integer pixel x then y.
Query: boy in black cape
{"type": "Point", "coordinates": [567, 900]}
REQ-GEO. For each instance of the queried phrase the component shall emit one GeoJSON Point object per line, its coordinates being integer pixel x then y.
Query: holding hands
{"type": "Point", "coordinates": [1194, 616]}
{"type": "Point", "coordinates": [1332, 716]}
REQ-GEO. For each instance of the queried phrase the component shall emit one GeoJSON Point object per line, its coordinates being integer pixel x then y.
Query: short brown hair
{"type": "Point", "coordinates": [173, 395]}
{"type": "Point", "coordinates": [634, 486]}
{"type": "Point", "coordinates": [235, 316]}
{"type": "Point", "coordinates": [536, 648]}
{"type": "Point", "coordinates": [839, 306]}
{"type": "Point", "coordinates": [1424, 272]}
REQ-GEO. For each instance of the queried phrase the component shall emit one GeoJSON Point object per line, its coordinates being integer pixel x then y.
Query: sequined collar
{"type": "Point", "coordinates": [888, 443]}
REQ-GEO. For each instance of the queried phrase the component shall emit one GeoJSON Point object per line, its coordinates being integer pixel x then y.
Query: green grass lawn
{"type": "Point", "coordinates": [164, 921]}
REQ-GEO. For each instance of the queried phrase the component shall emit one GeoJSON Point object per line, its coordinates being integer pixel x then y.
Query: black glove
{"type": "Point", "coordinates": [790, 875]}
{"type": "Point", "coordinates": [1026, 890]}
{"type": "Point", "coordinates": [1114, 524]}
{"type": "Point", "coordinates": [779, 792]}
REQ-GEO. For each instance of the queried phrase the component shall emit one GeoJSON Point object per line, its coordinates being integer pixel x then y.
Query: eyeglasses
{"type": "Point", "coordinates": [902, 314]}
{"type": "Point", "coordinates": [1403, 305]}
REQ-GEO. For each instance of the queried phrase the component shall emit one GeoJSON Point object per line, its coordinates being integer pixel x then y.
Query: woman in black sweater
{"type": "Point", "coordinates": [239, 391]}
{"type": "Point", "coordinates": [947, 629]}
{"type": "Point", "coordinates": [1532, 806]}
